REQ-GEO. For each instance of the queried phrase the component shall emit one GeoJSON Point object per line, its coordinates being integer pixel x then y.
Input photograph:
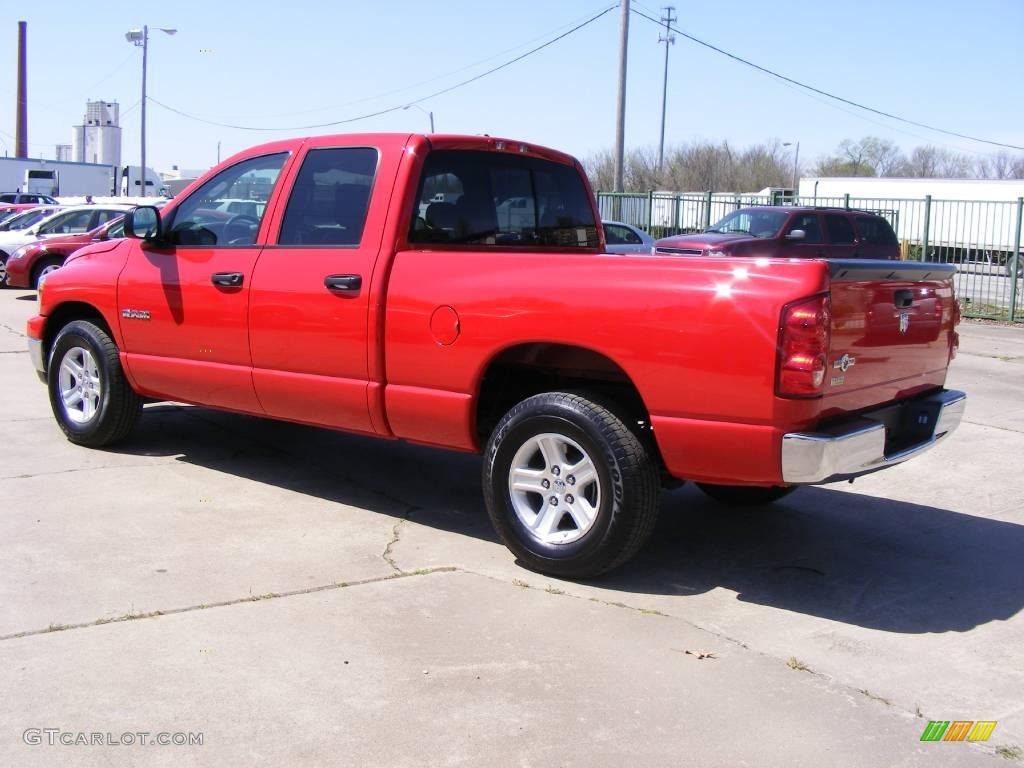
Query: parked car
{"type": "Point", "coordinates": [7, 210]}
{"type": "Point", "coordinates": [79, 219]}
{"type": "Point", "coordinates": [30, 263]}
{"type": "Point", "coordinates": [25, 218]}
{"type": "Point", "coordinates": [772, 231]}
{"type": "Point", "coordinates": [585, 380]}
{"type": "Point", "coordinates": [21, 197]}
{"type": "Point", "coordinates": [625, 238]}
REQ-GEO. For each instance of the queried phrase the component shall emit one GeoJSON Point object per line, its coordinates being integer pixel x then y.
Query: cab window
{"type": "Point", "coordinates": [206, 218]}
{"type": "Point", "coordinates": [475, 198]}
{"type": "Point", "coordinates": [875, 231]}
{"type": "Point", "coordinates": [328, 204]}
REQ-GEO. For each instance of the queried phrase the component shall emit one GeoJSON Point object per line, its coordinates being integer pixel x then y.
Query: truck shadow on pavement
{"type": "Point", "coordinates": [866, 561]}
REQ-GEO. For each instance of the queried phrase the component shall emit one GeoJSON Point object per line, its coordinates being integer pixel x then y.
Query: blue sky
{"type": "Point", "coordinates": [944, 62]}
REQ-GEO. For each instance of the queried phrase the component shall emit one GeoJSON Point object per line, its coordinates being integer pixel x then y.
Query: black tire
{"type": "Point", "coordinates": [37, 270]}
{"type": "Point", "coordinates": [626, 499]}
{"type": "Point", "coordinates": [3, 269]}
{"type": "Point", "coordinates": [746, 495]}
{"type": "Point", "coordinates": [118, 406]}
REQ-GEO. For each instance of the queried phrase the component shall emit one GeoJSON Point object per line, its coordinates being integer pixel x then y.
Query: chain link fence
{"type": "Point", "coordinates": [982, 238]}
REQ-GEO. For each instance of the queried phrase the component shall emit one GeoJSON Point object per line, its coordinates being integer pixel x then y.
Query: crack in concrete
{"type": "Point", "coordinates": [396, 536]}
{"type": "Point", "coordinates": [86, 469]}
{"type": "Point", "coordinates": [135, 616]}
{"type": "Point", "coordinates": [13, 351]}
{"type": "Point", "coordinates": [994, 426]}
{"type": "Point", "coordinates": [6, 327]}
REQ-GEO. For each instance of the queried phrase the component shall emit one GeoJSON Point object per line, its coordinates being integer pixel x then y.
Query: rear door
{"type": "Point", "coordinates": [184, 302]}
{"type": "Point", "coordinates": [309, 301]}
{"type": "Point", "coordinates": [840, 237]}
{"type": "Point", "coordinates": [892, 331]}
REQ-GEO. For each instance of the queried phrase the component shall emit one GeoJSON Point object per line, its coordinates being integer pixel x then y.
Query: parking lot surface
{"type": "Point", "coordinates": [304, 597]}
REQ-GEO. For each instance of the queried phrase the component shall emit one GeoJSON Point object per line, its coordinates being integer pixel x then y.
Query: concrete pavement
{"type": "Point", "coordinates": [304, 597]}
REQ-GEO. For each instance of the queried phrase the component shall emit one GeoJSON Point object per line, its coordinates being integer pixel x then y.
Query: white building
{"type": "Point", "coordinates": [98, 139]}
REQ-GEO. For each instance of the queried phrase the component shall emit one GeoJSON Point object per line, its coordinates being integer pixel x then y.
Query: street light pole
{"type": "Point", "coordinates": [425, 112]}
{"type": "Point", "coordinates": [140, 37]}
{"type": "Point", "coordinates": [796, 166]}
{"type": "Point", "coordinates": [668, 40]}
{"type": "Point", "coordinates": [620, 111]}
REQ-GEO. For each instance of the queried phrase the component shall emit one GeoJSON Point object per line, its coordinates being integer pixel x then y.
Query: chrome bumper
{"type": "Point", "coordinates": [35, 354]}
{"type": "Point", "coordinates": [857, 447]}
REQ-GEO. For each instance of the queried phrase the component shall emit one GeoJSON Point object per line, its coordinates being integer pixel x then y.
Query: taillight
{"type": "Point", "coordinates": [804, 336]}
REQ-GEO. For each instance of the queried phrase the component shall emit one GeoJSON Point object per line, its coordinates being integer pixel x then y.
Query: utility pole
{"type": "Point", "coordinates": [142, 142]}
{"type": "Point", "coordinates": [668, 40]}
{"type": "Point", "coordinates": [620, 121]}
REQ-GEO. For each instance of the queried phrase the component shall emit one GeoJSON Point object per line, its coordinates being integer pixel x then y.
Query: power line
{"type": "Point", "coordinates": [398, 107]}
{"type": "Point", "coordinates": [864, 107]}
{"type": "Point", "coordinates": [404, 88]}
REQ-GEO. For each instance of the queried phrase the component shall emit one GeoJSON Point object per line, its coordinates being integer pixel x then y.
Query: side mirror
{"type": "Point", "coordinates": [143, 223]}
{"type": "Point", "coordinates": [796, 234]}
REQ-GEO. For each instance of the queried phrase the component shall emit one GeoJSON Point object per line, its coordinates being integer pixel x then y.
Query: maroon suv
{"type": "Point", "coordinates": [768, 231]}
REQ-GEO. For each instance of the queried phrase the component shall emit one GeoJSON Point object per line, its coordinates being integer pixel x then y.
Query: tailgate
{"type": "Point", "coordinates": [892, 331]}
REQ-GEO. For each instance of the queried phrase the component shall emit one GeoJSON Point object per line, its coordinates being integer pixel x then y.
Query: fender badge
{"type": "Point", "coordinates": [135, 314]}
{"type": "Point", "coordinates": [845, 363]}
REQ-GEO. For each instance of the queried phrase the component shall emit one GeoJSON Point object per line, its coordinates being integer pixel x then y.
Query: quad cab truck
{"type": "Point", "coordinates": [361, 300]}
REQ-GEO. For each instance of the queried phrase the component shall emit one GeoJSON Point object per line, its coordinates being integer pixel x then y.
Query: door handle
{"type": "Point", "coordinates": [227, 279]}
{"type": "Point", "coordinates": [343, 282]}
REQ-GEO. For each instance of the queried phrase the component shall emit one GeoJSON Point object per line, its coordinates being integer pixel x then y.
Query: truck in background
{"type": "Point", "coordinates": [130, 183]}
{"type": "Point", "coordinates": [55, 178]}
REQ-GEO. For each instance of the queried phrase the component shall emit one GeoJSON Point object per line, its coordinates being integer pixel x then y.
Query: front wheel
{"type": "Point", "coordinates": [746, 495]}
{"type": "Point", "coordinates": [569, 487]}
{"type": "Point", "coordinates": [90, 397]}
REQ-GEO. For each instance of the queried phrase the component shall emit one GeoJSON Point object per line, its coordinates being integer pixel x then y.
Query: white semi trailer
{"type": "Point", "coordinates": [55, 178]}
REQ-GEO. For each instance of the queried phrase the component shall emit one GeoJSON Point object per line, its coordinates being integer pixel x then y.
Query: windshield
{"type": "Point", "coordinates": [750, 221]}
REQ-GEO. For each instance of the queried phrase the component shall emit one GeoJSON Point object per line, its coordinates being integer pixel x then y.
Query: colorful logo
{"type": "Point", "coordinates": [958, 730]}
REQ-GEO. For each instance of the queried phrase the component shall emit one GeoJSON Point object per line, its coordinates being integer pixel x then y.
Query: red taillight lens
{"type": "Point", "coordinates": [803, 347]}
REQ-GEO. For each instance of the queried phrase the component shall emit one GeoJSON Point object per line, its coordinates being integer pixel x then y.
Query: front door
{"type": "Point", "coordinates": [309, 299]}
{"type": "Point", "coordinates": [184, 301]}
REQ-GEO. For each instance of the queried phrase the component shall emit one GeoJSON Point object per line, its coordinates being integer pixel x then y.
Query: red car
{"type": "Point", "coordinates": [776, 232]}
{"type": "Point", "coordinates": [27, 265]}
{"type": "Point", "coordinates": [455, 291]}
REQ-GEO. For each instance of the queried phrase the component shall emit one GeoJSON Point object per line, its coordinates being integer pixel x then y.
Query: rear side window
{"type": "Point", "coordinates": [616, 235]}
{"type": "Point", "coordinates": [330, 198]}
{"type": "Point", "coordinates": [8, 199]}
{"type": "Point", "coordinates": [488, 198]}
{"type": "Point", "coordinates": [840, 230]}
{"type": "Point", "coordinates": [875, 230]}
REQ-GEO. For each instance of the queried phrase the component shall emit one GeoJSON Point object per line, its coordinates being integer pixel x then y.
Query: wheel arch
{"type": "Point", "coordinates": [68, 312]}
{"type": "Point", "coordinates": [525, 369]}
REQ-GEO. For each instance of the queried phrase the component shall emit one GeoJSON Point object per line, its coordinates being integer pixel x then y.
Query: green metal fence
{"type": "Point", "coordinates": [982, 237]}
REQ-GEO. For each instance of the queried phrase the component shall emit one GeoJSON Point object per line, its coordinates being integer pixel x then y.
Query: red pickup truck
{"type": "Point", "coordinates": [454, 291]}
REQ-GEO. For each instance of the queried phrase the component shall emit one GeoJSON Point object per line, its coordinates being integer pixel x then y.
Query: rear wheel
{"type": "Point", "coordinates": [3, 269]}
{"type": "Point", "coordinates": [44, 268]}
{"type": "Point", "coordinates": [746, 495]}
{"type": "Point", "coordinates": [90, 397]}
{"type": "Point", "coordinates": [569, 487]}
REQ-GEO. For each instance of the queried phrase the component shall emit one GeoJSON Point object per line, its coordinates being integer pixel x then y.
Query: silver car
{"type": "Point", "coordinates": [625, 238]}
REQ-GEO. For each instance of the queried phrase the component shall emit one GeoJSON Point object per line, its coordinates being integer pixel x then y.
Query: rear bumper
{"type": "Point", "coordinates": [872, 441]}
